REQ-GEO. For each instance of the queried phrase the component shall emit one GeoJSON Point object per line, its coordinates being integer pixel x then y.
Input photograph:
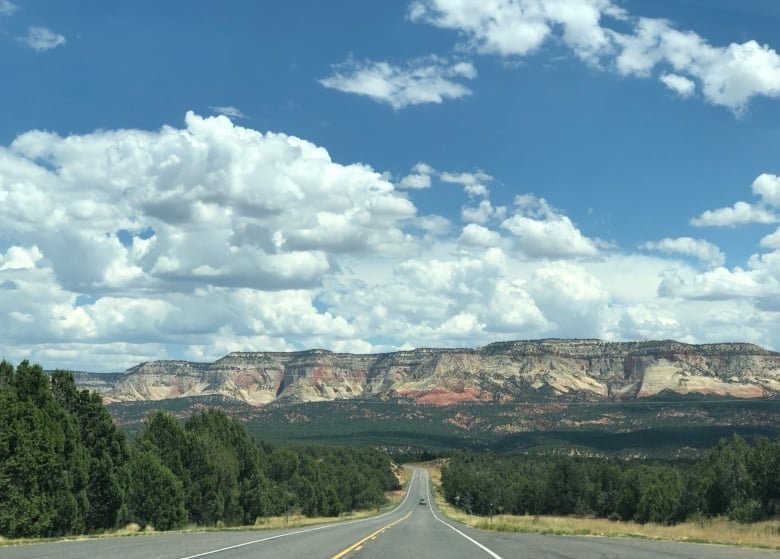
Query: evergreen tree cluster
{"type": "Point", "coordinates": [216, 473]}
{"type": "Point", "coordinates": [732, 479]}
{"type": "Point", "coordinates": [66, 469]}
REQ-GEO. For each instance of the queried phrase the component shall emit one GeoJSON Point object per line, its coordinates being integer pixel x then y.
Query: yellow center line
{"type": "Point", "coordinates": [372, 535]}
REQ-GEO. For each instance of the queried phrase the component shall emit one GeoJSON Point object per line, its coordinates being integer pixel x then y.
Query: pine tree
{"type": "Point", "coordinates": [155, 496]}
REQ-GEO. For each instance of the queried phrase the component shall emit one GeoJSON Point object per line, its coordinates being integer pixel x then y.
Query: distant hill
{"type": "Point", "coordinates": [550, 370]}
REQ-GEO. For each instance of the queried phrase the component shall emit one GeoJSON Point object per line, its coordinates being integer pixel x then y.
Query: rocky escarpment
{"type": "Point", "coordinates": [102, 383]}
{"type": "Point", "coordinates": [590, 370]}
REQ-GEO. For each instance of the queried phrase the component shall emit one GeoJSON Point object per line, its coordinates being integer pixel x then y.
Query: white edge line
{"type": "Point", "coordinates": [469, 538]}
{"type": "Point", "coordinates": [335, 525]}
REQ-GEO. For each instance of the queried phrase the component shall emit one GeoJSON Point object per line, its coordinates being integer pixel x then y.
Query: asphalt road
{"type": "Point", "coordinates": [411, 530]}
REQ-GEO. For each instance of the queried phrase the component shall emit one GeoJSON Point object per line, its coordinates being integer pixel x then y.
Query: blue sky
{"type": "Point", "coordinates": [184, 179]}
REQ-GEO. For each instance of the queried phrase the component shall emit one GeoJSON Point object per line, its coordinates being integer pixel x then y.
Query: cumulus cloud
{"type": "Point", "coordinates": [767, 187]}
{"type": "Point", "coordinates": [718, 284]}
{"type": "Point", "coordinates": [20, 258]}
{"type": "Point", "coordinates": [729, 76]}
{"type": "Point", "coordinates": [419, 178]}
{"type": "Point", "coordinates": [604, 35]}
{"type": "Point", "coordinates": [473, 183]}
{"type": "Point", "coordinates": [42, 39]}
{"type": "Point", "coordinates": [483, 212]}
{"type": "Point", "coordinates": [474, 235]}
{"type": "Point", "coordinates": [415, 181]}
{"type": "Point", "coordinates": [740, 213]}
{"type": "Point", "coordinates": [747, 295]}
{"type": "Point", "coordinates": [420, 81]}
{"type": "Point", "coordinates": [648, 322]}
{"type": "Point", "coordinates": [192, 241]}
{"type": "Point", "coordinates": [570, 297]}
{"type": "Point", "coordinates": [706, 252]}
{"type": "Point", "coordinates": [542, 232]}
{"type": "Point", "coordinates": [510, 28]}
{"type": "Point", "coordinates": [445, 301]}
{"type": "Point", "coordinates": [123, 214]}
{"type": "Point", "coordinates": [423, 168]}
{"type": "Point", "coordinates": [223, 202]}
{"type": "Point", "coordinates": [772, 240]}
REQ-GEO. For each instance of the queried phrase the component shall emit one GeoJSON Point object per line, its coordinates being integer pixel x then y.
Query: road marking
{"type": "Point", "coordinates": [359, 544]}
{"type": "Point", "coordinates": [276, 537]}
{"type": "Point", "coordinates": [451, 527]}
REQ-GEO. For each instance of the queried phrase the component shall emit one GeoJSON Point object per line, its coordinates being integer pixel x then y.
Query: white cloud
{"type": "Point", "coordinates": [478, 214]}
{"type": "Point", "coordinates": [123, 214]}
{"type": "Point", "coordinates": [423, 168]}
{"type": "Point", "coordinates": [767, 186]}
{"type": "Point", "coordinates": [679, 84]}
{"type": "Point", "coordinates": [595, 31]}
{"type": "Point", "coordinates": [42, 39]}
{"type": "Point", "coordinates": [7, 7]}
{"type": "Point", "coordinates": [740, 213]}
{"type": "Point", "coordinates": [729, 76]}
{"type": "Point", "coordinates": [415, 181]}
{"type": "Point", "coordinates": [20, 258]}
{"type": "Point", "coordinates": [570, 297]}
{"type": "Point", "coordinates": [466, 299]}
{"type": "Point", "coordinates": [705, 251]}
{"type": "Point", "coordinates": [257, 209]}
{"type": "Point", "coordinates": [473, 183]}
{"type": "Point", "coordinates": [420, 81]}
{"type": "Point", "coordinates": [228, 111]}
{"type": "Point", "coordinates": [131, 245]}
{"type": "Point", "coordinates": [717, 284]}
{"type": "Point", "coordinates": [542, 232]}
{"type": "Point", "coordinates": [433, 224]}
{"type": "Point", "coordinates": [772, 240]}
{"type": "Point", "coordinates": [474, 235]}
{"type": "Point", "coordinates": [419, 178]}
{"type": "Point", "coordinates": [738, 303]}
{"type": "Point", "coordinates": [650, 322]}
{"type": "Point", "coordinates": [509, 28]}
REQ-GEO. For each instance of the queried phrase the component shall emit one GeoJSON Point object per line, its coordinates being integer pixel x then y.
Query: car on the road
{"type": "Point", "coordinates": [422, 502]}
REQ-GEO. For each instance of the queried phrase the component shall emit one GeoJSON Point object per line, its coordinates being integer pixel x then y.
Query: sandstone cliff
{"type": "Point", "coordinates": [590, 370]}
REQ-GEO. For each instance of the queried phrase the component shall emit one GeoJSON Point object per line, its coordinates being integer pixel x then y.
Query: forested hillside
{"type": "Point", "coordinates": [732, 479]}
{"type": "Point", "coordinates": [66, 469]}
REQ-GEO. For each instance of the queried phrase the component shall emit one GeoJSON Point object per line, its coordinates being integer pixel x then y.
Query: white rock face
{"type": "Point", "coordinates": [590, 370]}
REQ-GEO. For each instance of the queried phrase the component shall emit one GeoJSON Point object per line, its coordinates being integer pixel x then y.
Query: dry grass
{"type": "Point", "coordinates": [718, 530]}
{"type": "Point", "coordinates": [296, 521]}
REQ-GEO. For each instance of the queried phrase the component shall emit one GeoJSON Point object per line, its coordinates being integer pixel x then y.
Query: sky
{"type": "Point", "coordinates": [183, 179]}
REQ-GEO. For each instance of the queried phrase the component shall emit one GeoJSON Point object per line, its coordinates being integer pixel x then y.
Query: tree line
{"type": "Point", "coordinates": [65, 468]}
{"type": "Point", "coordinates": [732, 479]}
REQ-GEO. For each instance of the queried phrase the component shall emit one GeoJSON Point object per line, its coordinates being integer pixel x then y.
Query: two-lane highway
{"type": "Point", "coordinates": [314, 542]}
{"type": "Point", "coordinates": [411, 530]}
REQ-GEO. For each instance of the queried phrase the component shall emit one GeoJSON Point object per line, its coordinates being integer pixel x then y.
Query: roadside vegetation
{"type": "Point", "coordinates": [66, 469]}
{"type": "Point", "coordinates": [765, 534]}
{"type": "Point", "coordinates": [731, 495]}
{"type": "Point", "coordinates": [733, 479]}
